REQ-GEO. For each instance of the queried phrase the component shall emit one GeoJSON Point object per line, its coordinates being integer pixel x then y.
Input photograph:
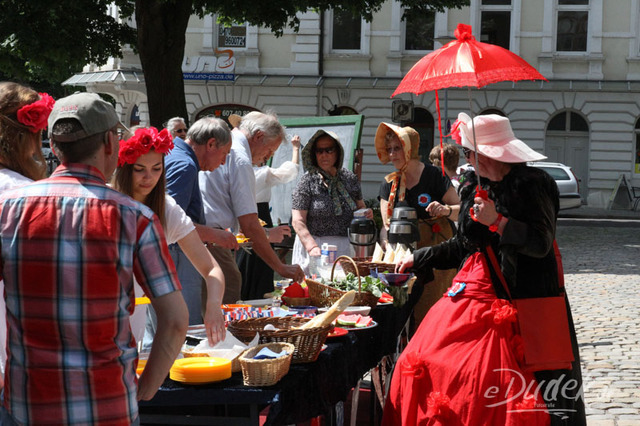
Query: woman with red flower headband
{"type": "Point", "coordinates": [140, 174]}
{"type": "Point", "coordinates": [23, 116]}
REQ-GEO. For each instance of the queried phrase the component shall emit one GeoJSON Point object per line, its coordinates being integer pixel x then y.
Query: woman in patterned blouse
{"type": "Point", "coordinates": [324, 200]}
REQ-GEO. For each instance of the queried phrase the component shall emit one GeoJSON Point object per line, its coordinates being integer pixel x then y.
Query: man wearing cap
{"type": "Point", "coordinates": [205, 147]}
{"type": "Point", "coordinates": [229, 197]}
{"type": "Point", "coordinates": [71, 246]}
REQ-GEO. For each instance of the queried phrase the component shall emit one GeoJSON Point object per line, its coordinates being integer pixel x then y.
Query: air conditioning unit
{"type": "Point", "coordinates": [402, 111]}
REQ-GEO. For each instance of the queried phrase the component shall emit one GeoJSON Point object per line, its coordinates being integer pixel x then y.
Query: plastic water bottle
{"type": "Point", "coordinates": [324, 254]}
{"type": "Point", "coordinates": [328, 252]}
{"type": "Point", "coordinates": [276, 300]}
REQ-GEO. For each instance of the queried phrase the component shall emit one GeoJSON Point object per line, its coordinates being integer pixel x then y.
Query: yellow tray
{"type": "Point", "coordinates": [200, 370]}
{"type": "Point", "coordinates": [144, 300]}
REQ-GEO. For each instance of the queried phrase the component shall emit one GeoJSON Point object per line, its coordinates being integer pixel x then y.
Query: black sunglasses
{"type": "Point", "coordinates": [180, 130]}
{"type": "Point", "coordinates": [329, 150]}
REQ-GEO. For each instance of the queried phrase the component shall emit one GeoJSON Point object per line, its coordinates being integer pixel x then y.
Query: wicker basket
{"type": "Point", "coordinates": [357, 265]}
{"type": "Point", "coordinates": [265, 372]}
{"type": "Point", "coordinates": [364, 266]}
{"type": "Point", "coordinates": [307, 342]}
{"type": "Point", "coordinates": [324, 295]}
{"type": "Point", "coordinates": [296, 301]}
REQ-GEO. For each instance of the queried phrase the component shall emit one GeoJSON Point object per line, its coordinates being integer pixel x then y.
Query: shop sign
{"type": "Point", "coordinates": [210, 67]}
{"type": "Point", "coordinates": [224, 111]}
{"type": "Point", "coordinates": [234, 36]}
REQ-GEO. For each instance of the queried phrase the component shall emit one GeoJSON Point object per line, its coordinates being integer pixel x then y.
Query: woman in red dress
{"type": "Point", "coordinates": [462, 367]}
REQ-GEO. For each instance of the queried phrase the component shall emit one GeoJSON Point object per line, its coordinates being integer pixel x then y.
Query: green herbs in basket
{"type": "Point", "coordinates": [350, 282]}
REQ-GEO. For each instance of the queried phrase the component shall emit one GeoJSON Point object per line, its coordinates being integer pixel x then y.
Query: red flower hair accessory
{"type": "Point", "coordinates": [143, 140]}
{"type": "Point", "coordinates": [35, 115]}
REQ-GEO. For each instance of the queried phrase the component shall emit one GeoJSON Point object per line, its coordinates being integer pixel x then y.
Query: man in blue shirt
{"type": "Point", "coordinates": [206, 147]}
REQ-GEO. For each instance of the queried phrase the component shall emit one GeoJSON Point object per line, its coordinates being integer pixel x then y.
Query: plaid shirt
{"type": "Point", "coordinates": [70, 249]}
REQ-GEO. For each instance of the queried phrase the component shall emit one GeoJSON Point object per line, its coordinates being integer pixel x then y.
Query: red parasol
{"type": "Point", "coordinates": [465, 62]}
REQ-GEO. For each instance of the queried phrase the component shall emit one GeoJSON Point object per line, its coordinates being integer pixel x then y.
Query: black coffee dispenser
{"type": "Point", "coordinates": [403, 227]}
{"type": "Point", "coordinates": [362, 236]}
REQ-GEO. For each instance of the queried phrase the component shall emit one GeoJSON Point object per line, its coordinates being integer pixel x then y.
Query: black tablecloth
{"type": "Point", "coordinates": [309, 389]}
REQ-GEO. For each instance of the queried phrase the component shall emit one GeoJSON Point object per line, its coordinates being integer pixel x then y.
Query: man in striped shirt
{"type": "Point", "coordinates": [70, 248]}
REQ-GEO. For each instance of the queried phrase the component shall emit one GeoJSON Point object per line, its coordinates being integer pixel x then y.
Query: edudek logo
{"type": "Point", "coordinates": [534, 395]}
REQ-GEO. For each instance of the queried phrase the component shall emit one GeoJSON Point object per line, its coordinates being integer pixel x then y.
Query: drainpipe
{"type": "Point", "coordinates": [320, 84]}
{"type": "Point", "coordinates": [321, 46]}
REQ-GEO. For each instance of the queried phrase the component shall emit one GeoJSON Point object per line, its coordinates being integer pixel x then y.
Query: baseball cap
{"type": "Point", "coordinates": [94, 114]}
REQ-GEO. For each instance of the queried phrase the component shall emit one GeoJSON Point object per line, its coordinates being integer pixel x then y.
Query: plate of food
{"type": "Point", "coordinates": [337, 332]}
{"type": "Point", "coordinates": [355, 322]}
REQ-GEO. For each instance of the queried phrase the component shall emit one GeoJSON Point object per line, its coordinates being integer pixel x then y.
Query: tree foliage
{"type": "Point", "coordinates": [48, 41]}
{"type": "Point", "coordinates": [45, 42]}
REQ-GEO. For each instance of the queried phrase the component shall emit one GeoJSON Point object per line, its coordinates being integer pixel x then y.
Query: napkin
{"type": "Point", "coordinates": [229, 348]}
{"type": "Point", "coordinates": [266, 353]}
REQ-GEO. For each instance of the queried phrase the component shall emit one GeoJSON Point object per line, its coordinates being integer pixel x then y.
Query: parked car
{"type": "Point", "coordinates": [49, 156]}
{"type": "Point", "coordinates": [568, 183]}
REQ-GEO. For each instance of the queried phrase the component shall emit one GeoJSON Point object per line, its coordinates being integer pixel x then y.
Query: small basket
{"type": "Point", "coordinates": [364, 265]}
{"type": "Point", "coordinates": [357, 265]}
{"type": "Point", "coordinates": [296, 301]}
{"type": "Point", "coordinates": [265, 372]}
{"type": "Point", "coordinates": [324, 295]}
{"type": "Point", "coordinates": [307, 342]}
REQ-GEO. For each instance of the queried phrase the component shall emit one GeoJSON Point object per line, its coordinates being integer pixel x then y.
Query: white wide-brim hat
{"type": "Point", "coordinates": [495, 139]}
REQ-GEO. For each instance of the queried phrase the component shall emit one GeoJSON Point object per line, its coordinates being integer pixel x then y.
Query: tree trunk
{"type": "Point", "coordinates": [162, 27]}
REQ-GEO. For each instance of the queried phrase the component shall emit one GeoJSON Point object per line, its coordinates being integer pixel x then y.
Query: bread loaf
{"type": "Point", "coordinates": [332, 313]}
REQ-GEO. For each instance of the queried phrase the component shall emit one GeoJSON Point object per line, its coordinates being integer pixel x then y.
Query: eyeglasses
{"type": "Point", "coordinates": [180, 130]}
{"type": "Point", "coordinates": [329, 150]}
{"type": "Point", "coordinates": [466, 152]}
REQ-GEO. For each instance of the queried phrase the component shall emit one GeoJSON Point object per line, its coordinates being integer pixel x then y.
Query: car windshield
{"type": "Point", "coordinates": [556, 173]}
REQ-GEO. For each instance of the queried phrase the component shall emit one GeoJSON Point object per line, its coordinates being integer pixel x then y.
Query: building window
{"type": "Point", "coordinates": [495, 22]}
{"type": "Point", "coordinates": [493, 111]}
{"type": "Point", "coordinates": [568, 122]}
{"type": "Point", "coordinates": [573, 24]}
{"type": "Point", "coordinates": [234, 37]}
{"type": "Point", "coordinates": [347, 31]}
{"type": "Point", "coordinates": [342, 110]}
{"type": "Point", "coordinates": [423, 123]}
{"type": "Point", "coordinates": [419, 30]}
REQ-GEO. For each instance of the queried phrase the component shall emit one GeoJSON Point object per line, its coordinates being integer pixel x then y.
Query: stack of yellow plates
{"type": "Point", "coordinates": [200, 370]}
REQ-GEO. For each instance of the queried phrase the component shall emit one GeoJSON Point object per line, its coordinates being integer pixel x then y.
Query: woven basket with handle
{"type": "Point", "coordinates": [307, 342]}
{"type": "Point", "coordinates": [364, 266]}
{"type": "Point", "coordinates": [324, 295]}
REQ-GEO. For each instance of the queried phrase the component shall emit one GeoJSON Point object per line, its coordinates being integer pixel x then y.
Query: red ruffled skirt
{"type": "Point", "coordinates": [461, 366]}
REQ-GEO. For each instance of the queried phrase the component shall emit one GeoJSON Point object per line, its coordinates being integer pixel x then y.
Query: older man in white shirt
{"type": "Point", "coordinates": [229, 197]}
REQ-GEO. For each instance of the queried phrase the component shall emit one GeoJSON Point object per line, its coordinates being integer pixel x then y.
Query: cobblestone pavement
{"type": "Point", "coordinates": [602, 273]}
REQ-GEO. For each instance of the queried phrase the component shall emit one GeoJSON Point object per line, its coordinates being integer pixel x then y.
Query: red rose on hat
{"type": "Point", "coordinates": [36, 114]}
